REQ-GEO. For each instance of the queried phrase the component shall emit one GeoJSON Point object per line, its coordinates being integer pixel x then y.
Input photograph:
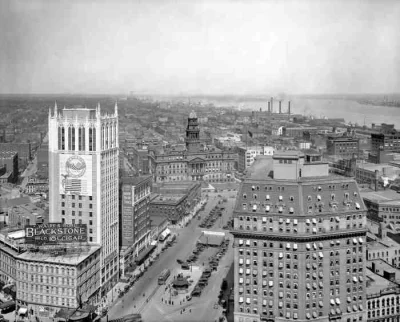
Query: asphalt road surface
{"type": "Point", "coordinates": [30, 170]}
{"type": "Point", "coordinates": [145, 295]}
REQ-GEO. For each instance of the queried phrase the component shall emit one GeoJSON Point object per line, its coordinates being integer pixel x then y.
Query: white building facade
{"type": "Point", "coordinates": [83, 179]}
{"type": "Point", "coordinates": [247, 155]}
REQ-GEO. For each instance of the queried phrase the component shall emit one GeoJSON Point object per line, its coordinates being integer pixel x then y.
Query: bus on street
{"type": "Point", "coordinates": [162, 278]}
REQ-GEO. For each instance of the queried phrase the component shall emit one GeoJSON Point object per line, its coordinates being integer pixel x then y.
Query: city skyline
{"type": "Point", "coordinates": [200, 47]}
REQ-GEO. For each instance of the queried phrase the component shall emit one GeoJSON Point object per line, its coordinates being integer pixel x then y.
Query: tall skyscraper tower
{"type": "Point", "coordinates": [83, 179]}
{"type": "Point", "coordinates": [192, 133]}
{"type": "Point", "coordinates": [300, 242]}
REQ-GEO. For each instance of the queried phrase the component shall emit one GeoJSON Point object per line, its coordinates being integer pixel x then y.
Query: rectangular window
{"type": "Point", "coordinates": [61, 138]}
{"type": "Point", "coordinates": [71, 138]}
{"type": "Point", "coordinates": [92, 139]}
{"type": "Point", "coordinates": [81, 139]}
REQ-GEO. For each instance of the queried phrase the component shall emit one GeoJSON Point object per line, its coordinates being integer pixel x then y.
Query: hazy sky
{"type": "Point", "coordinates": [210, 47]}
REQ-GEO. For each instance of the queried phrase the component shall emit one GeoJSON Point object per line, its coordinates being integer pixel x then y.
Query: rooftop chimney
{"type": "Point", "coordinates": [382, 230]}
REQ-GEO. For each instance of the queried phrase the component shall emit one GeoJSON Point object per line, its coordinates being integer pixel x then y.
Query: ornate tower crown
{"type": "Point", "coordinates": [192, 115]}
{"type": "Point", "coordinates": [192, 133]}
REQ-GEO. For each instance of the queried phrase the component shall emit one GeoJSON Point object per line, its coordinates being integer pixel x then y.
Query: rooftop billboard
{"type": "Point", "coordinates": [55, 233]}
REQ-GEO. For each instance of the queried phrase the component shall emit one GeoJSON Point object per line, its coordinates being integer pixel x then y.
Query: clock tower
{"type": "Point", "coordinates": [192, 133]}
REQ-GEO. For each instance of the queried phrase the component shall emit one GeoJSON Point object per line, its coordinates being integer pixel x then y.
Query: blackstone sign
{"type": "Point", "coordinates": [55, 233]}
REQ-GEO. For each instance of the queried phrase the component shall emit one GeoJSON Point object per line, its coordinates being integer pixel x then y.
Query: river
{"type": "Point", "coordinates": [351, 111]}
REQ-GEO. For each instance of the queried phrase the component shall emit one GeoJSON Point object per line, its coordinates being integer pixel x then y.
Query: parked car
{"type": "Point", "coordinates": [202, 284]}
{"type": "Point", "coordinates": [179, 261]}
{"type": "Point", "coordinates": [196, 292]}
{"type": "Point", "coordinates": [185, 266]}
{"type": "Point", "coordinates": [206, 273]}
{"type": "Point", "coordinates": [203, 280]}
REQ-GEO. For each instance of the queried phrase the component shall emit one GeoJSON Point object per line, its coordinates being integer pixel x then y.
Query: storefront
{"type": "Point", "coordinates": [144, 254]}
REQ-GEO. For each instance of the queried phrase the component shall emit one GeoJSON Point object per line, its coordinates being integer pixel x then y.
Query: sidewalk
{"type": "Point", "coordinates": [112, 296]}
{"type": "Point", "coordinates": [186, 219]}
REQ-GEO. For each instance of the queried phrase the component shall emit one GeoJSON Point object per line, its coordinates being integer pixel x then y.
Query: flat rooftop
{"type": "Point", "coordinates": [68, 259]}
{"type": "Point", "coordinates": [135, 180]}
{"type": "Point", "coordinates": [377, 282]}
{"type": "Point", "coordinates": [168, 198]}
{"type": "Point", "coordinates": [260, 168]}
{"type": "Point", "coordinates": [6, 175]}
{"type": "Point", "coordinates": [178, 184]}
{"type": "Point", "coordinates": [343, 138]}
{"type": "Point", "coordinates": [373, 166]}
{"type": "Point", "coordinates": [7, 153]}
{"type": "Point", "coordinates": [7, 249]}
{"type": "Point", "coordinates": [382, 196]}
{"type": "Point", "coordinates": [382, 266]}
{"type": "Point", "coordinates": [383, 243]}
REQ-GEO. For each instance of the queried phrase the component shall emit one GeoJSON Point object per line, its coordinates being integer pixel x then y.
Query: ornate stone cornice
{"type": "Point", "coordinates": [298, 238]}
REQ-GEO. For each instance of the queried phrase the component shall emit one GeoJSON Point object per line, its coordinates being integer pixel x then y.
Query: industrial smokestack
{"type": "Point", "coordinates": [272, 105]}
{"type": "Point", "coordinates": [269, 107]}
{"type": "Point", "coordinates": [280, 107]}
{"type": "Point", "coordinates": [289, 107]}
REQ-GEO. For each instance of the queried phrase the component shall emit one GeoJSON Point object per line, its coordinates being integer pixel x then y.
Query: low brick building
{"type": "Point", "coordinates": [175, 200]}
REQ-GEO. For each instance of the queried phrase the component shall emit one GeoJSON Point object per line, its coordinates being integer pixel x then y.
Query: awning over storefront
{"type": "Point", "coordinates": [144, 254]}
{"type": "Point", "coordinates": [22, 311]}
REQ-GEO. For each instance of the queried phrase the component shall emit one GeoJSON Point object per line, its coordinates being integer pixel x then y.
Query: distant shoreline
{"type": "Point", "coordinates": [381, 103]}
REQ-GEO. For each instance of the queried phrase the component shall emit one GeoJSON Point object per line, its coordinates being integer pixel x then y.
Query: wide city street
{"type": "Point", "coordinates": [30, 170]}
{"type": "Point", "coordinates": [148, 298]}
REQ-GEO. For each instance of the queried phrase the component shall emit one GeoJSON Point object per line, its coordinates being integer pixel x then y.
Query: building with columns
{"type": "Point", "coordinates": [299, 243]}
{"type": "Point", "coordinates": [195, 162]}
{"type": "Point", "coordinates": [83, 179]}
